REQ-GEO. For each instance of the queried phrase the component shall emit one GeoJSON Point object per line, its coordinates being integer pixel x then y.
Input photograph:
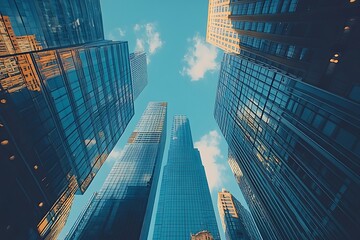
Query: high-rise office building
{"type": "Point", "coordinates": [62, 130]}
{"type": "Point", "coordinates": [123, 207]}
{"type": "Point", "coordinates": [138, 66]}
{"type": "Point", "coordinates": [52, 23]}
{"type": "Point", "coordinates": [65, 100]}
{"type": "Point", "coordinates": [288, 106]}
{"type": "Point", "coordinates": [185, 205]}
{"type": "Point", "coordinates": [236, 220]}
{"type": "Point", "coordinates": [296, 144]}
{"type": "Point", "coordinates": [315, 41]}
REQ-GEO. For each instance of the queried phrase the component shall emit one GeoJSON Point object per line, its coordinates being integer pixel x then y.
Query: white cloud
{"type": "Point", "coordinates": [139, 45]}
{"type": "Point", "coordinates": [153, 38]}
{"type": "Point", "coordinates": [148, 39]}
{"type": "Point", "coordinates": [210, 154]}
{"type": "Point", "coordinates": [121, 32]}
{"type": "Point", "coordinates": [115, 154]}
{"type": "Point", "coordinates": [137, 27]}
{"type": "Point", "coordinates": [200, 58]}
{"type": "Point", "coordinates": [89, 142]}
{"type": "Point", "coordinates": [117, 34]}
{"type": "Point", "coordinates": [111, 36]}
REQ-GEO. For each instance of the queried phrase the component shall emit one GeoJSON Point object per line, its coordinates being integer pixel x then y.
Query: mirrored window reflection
{"type": "Point", "coordinates": [278, 127]}
{"type": "Point", "coordinates": [33, 25]}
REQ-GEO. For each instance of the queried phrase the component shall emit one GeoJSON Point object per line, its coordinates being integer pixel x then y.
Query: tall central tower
{"type": "Point", "coordinates": [185, 205]}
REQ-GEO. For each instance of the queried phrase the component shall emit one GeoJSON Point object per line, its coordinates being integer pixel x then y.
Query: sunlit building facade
{"type": "Point", "coordinates": [122, 209]}
{"type": "Point", "coordinates": [138, 66]}
{"type": "Point", "coordinates": [185, 205]}
{"type": "Point", "coordinates": [236, 220]}
{"type": "Point", "coordinates": [219, 31]}
{"type": "Point", "coordinates": [297, 146]}
{"type": "Point", "coordinates": [65, 100]}
{"type": "Point", "coordinates": [315, 41]}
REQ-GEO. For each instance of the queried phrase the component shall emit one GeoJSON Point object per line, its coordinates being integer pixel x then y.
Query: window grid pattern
{"type": "Point", "coordinates": [50, 106]}
{"type": "Point", "coordinates": [222, 29]}
{"type": "Point", "coordinates": [239, 7]}
{"type": "Point", "coordinates": [55, 23]}
{"type": "Point", "coordinates": [92, 111]}
{"type": "Point", "coordinates": [123, 206]}
{"type": "Point", "coordinates": [261, 217]}
{"type": "Point", "coordinates": [278, 127]}
{"type": "Point", "coordinates": [293, 35]}
{"type": "Point", "coordinates": [219, 28]}
{"type": "Point", "coordinates": [138, 65]}
{"type": "Point", "coordinates": [185, 205]}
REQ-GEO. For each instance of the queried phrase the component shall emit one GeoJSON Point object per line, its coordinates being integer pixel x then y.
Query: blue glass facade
{"type": "Point", "coordinates": [138, 66]}
{"type": "Point", "coordinates": [123, 207]}
{"type": "Point", "coordinates": [297, 146]}
{"type": "Point", "coordinates": [256, 208]}
{"type": "Point", "coordinates": [65, 127]}
{"type": "Point", "coordinates": [288, 105]}
{"type": "Point", "coordinates": [185, 205]}
{"type": "Point", "coordinates": [54, 23]}
{"type": "Point", "coordinates": [66, 98]}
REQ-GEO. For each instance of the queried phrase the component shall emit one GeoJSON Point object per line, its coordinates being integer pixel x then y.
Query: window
{"type": "Point", "coordinates": [285, 6]}
{"type": "Point", "coordinates": [291, 51]}
{"type": "Point", "coordinates": [293, 5]}
{"type": "Point", "coordinates": [329, 128]}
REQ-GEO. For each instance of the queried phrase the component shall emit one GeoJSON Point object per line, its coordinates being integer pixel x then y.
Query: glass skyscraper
{"type": "Point", "coordinates": [138, 66]}
{"type": "Point", "coordinates": [65, 99]}
{"type": "Point", "coordinates": [123, 207]}
{"type": "Point", "coordinates": [297, 146]}
{"type": "Point", "coordinates": [185, 205]}
{"type": "Point", "coordinates": [315, 41]}
{"type": "Point", "coordinates": [53, 23]}
{"type": "Point", "coordinates": [288, 106]}
{"type": "Point", "coordinates": [237, 222]}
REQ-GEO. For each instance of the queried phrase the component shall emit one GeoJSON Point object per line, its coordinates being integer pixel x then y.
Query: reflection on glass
{"type": "Point", "coordinates": [17, 71]}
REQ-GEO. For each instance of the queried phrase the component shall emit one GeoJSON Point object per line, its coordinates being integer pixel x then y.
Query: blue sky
{"type": "Point", "coordinates": [182, 70]}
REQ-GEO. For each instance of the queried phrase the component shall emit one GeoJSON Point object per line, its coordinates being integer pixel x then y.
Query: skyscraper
{"type": "Point", "coordinates": [138, 66]}
{"type": "Point", "coordinates": [315, 41]}
{"type": "Point", "coordinates": [123, 207]}
{"type": "Point", "coordinates": [62, 130]}
{"type": "Point", "coordinates": [288, 106]}
{"type": "Point", "coordinates": [236, 220]}
{"type": "Point", "coordinates": [53, 23]}
{"type": "Point", "coordinates": [296, 145]}
{"type": "Point", "coordinates": [65, 100]}
{"type": "Point", "coordinates": [185, 205]}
